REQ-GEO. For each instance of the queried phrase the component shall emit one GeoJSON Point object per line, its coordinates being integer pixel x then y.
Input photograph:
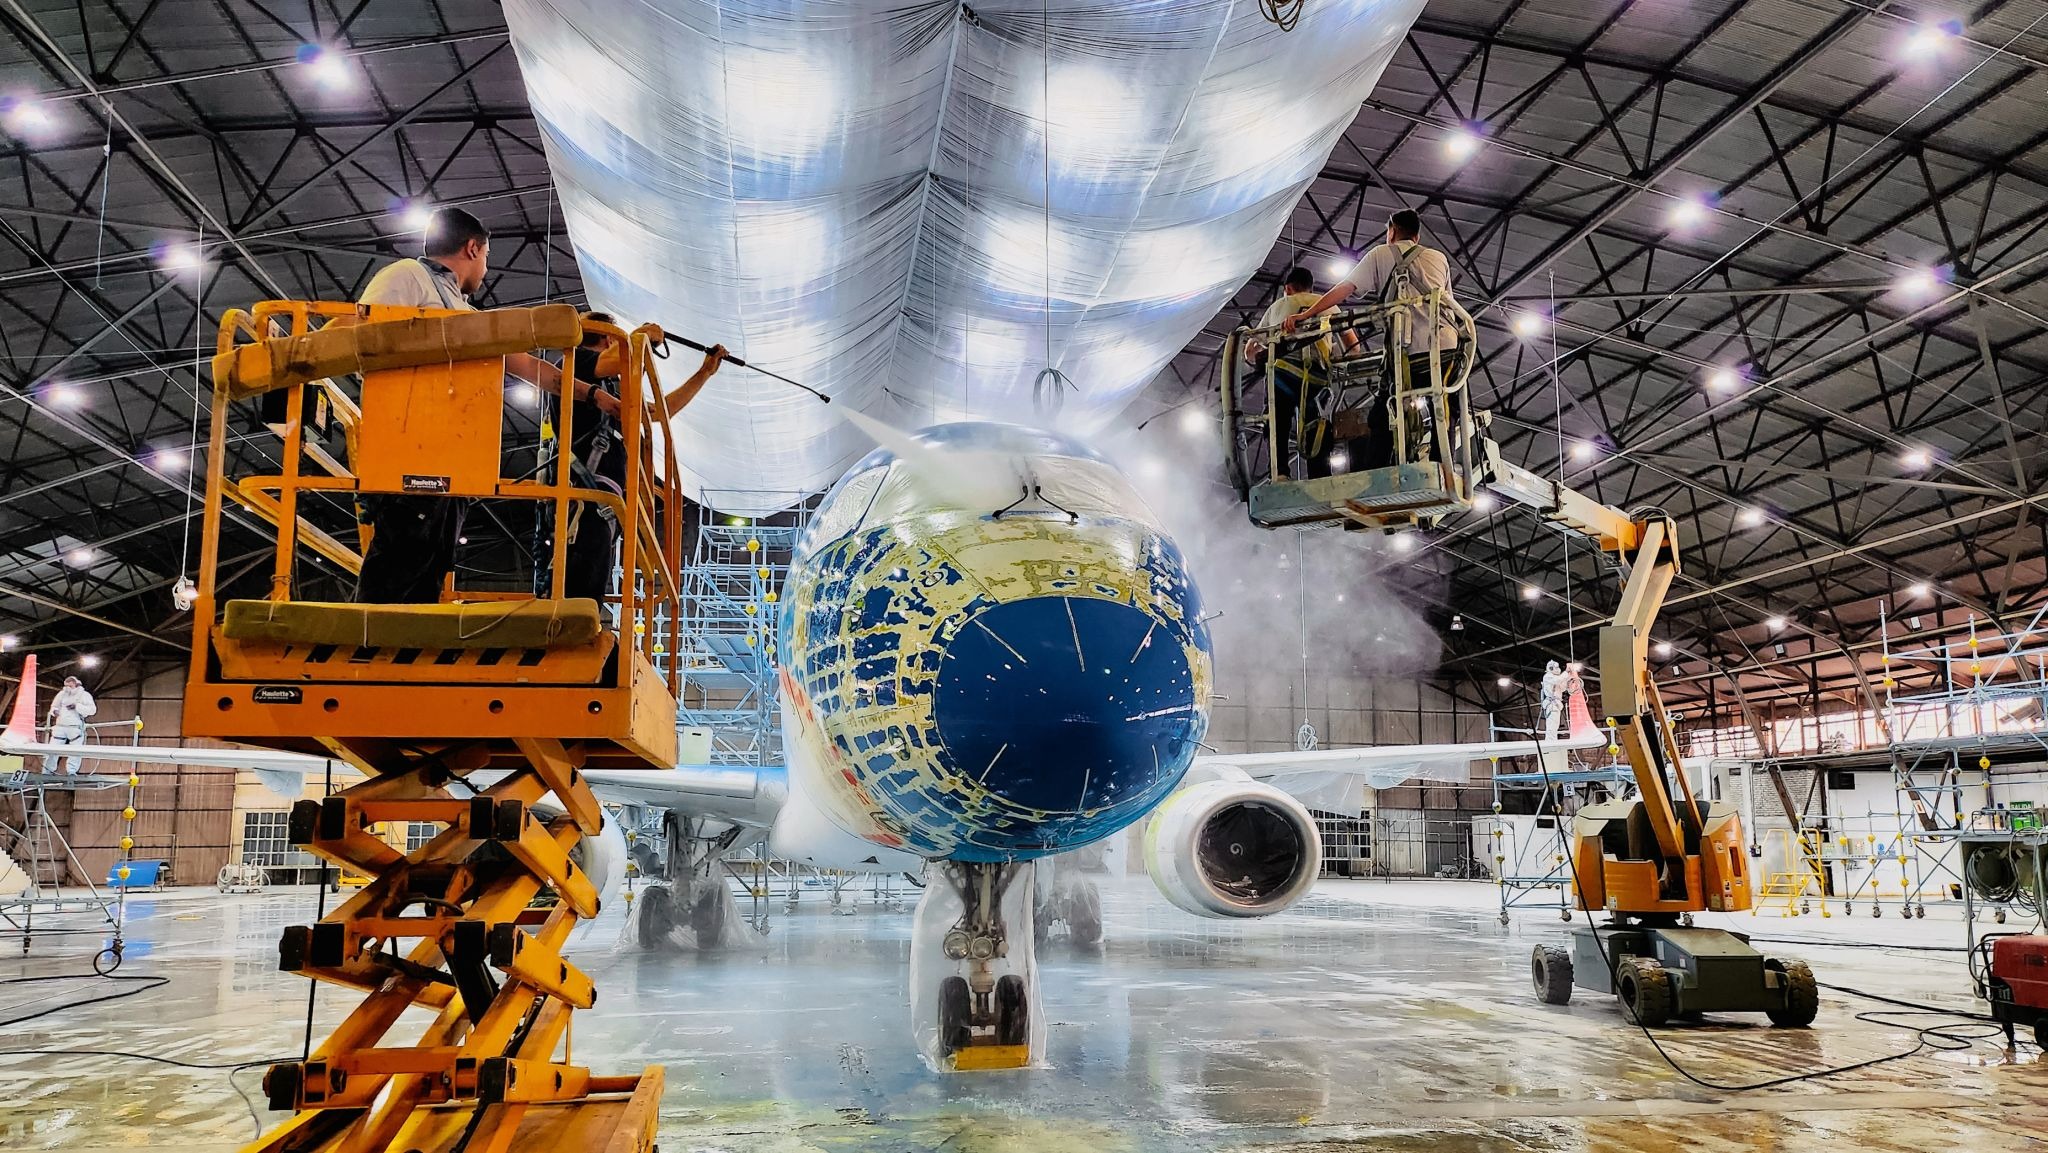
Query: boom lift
{"type": "Point", "coordinates": [470, 927]}
{"type": "Point", "coordinates": [1650, 861]}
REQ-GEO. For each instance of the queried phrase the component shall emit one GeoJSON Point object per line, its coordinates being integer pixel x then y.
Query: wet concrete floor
{"type": "Point", "coordinates": [1375, 1016]}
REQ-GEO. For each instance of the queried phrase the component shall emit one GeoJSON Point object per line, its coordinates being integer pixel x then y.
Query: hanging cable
{"type": "Point", "coordinates": [1282, 14]}
{"type": "Point", "coordinates": [99, 244]}
{"type": "Point", "coordinates": [184, 594]}
{"type": "Point", "coordinates": [1049, 388]}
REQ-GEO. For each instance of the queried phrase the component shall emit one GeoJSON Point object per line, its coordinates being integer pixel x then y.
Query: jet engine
{"type": "Point", "coordinates": [1233, 848]}
{"type": "Point", "coordinates": [602, 858]}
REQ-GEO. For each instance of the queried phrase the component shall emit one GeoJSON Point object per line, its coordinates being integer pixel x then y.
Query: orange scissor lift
{"type": "Point", "coordinates": [469, 928]}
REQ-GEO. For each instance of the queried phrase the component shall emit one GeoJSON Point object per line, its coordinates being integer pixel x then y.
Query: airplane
{"type": "Point", "coordinates": [991, 653]}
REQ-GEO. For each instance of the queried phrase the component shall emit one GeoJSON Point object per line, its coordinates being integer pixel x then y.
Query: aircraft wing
{"type": "Point", "coordinates": [282, 772]}
{"type": "Point", "coordinates": [1330, 779]}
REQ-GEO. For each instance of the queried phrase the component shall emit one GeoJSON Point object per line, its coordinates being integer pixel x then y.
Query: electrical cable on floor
{"type": "Point", "coordinates": [1936, 1037]}
{"type": "Point", "coordinates": [147, 983]}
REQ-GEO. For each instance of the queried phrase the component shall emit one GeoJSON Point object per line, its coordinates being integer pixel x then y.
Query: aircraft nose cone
{"type": "Point", "coordinates": [1067, 705]}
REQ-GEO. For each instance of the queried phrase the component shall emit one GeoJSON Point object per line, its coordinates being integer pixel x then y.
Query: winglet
{"type": "Point", "coordinates": [1582, 726]}
{"type": "Point", "coordinates": [21, 725]}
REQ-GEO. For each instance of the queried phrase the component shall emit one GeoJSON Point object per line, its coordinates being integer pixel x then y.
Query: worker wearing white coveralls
{"type": "Point", "coordinates": [69, 710]}
{"type": "Point", "coordinates": [1551, 696]}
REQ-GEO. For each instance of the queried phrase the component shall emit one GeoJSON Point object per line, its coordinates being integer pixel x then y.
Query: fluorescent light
{"type": "Point", "coordinates": [1916, 459]}
{"type": "Point", "coordinates": [1723, 380]}
{"type": "Point", "coordinates": [1686, 213]}
{"type": "Point", "coordinates": [1506, 682]}
{"type": "Point", "coordinates": [1775, 623]}
{"type": "Point", "coordinates": [63, 396]}
{"type": "Point", "coordinates": [89, 661]}
{"type": "Point", "coordinates": [1750, 517]}
{"type": "Point", "coordinates": [1663, 648]}
{"type": "Point", "coordinates": [169, 459]}
{"type": "Point", "coordinates": [1531, 592]}
{"type": "Point", "coordinates": [1461, 143]}
{"type": "Point", "coordinates": [1920, 590]}
{"type": "Point", "coordinates": [1528, 325]}
{"type": "Point", "coordinates": [417, 216]}
{"type": "Point", "coordinates": [180, 258]}
{"type": "Point", "coordinates": [1582, 451]}
{"type": "Point", "coordinates": [81, 557]}
{"type": "Point", "coordinates": [1194, 420]}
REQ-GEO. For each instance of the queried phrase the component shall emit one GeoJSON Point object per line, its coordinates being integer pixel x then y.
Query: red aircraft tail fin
{"type": "Point", "coordinates": [21, 724]}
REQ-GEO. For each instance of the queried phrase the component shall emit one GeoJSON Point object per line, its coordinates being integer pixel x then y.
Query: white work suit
{"type": "Point", "coordinates": [69, 711]}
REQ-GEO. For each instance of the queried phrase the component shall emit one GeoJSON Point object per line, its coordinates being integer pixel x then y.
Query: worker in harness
{"type": "Point", "coordinates": [1295, 415]}
{"type": "Point", "coordinates": [1402, 268]}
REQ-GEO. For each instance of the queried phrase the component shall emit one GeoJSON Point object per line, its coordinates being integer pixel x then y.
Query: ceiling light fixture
{"type": "Point", "coordinates": [1917, 459]}
{"type": "Point", "coordinates": [1664, 648]}
{"type": "Point", "coordinates": [328, 67]}
{"type": "Point", "coordinates": [1686, 213]}
{"type": "Point", "coordinates": [89, 661]}
{"type": "Point", "coordinates": [1528, 325]}
{"type": "Point", "coordinates": [1531, 592]}
{"type": "Point", "coordinates": [1724, 380]}
{"type": "Point", "coordinates": [1919, 591]}
{"type": "Point", "coordinates": [1775, 623]}
{"type": "Point", "coordinates": [1462, 142]}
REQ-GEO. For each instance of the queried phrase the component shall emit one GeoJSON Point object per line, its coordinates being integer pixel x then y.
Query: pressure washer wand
{"type": "Point", "coordinates": [686, 342]}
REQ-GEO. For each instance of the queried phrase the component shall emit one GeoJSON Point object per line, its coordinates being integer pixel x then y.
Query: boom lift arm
{"type": "Point", "coordinates": [1650, 861]}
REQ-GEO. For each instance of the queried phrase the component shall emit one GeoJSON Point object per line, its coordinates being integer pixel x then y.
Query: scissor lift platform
{"type": "Point", "coordinates": [533, 689]}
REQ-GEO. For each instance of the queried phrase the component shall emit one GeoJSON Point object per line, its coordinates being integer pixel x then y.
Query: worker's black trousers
{"type": "Point", "coordinates": [412, 548]}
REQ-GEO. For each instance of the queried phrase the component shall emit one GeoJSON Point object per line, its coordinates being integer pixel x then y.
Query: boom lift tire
{"type": "Point", "coordinates": [1644, 988]}
{"type": "Point", "coordinates": [1802, 995]}
{"type": "Point", "coordinates": [1550, 970]}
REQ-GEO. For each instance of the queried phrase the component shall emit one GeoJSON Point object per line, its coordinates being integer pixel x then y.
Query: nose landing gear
{"type": "Point", "coordinates": [983, 1012]}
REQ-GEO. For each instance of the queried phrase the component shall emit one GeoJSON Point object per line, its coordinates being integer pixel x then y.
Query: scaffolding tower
{"type": "Point", "coordinates": [732, 588]}
{"type": "Point", "coordinates": [37, 862]}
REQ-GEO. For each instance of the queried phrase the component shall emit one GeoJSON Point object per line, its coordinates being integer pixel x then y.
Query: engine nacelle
{"type": "Point", "coordinates": [1233, 848]}
{"type": "Point", "coordinates": [602, 857]}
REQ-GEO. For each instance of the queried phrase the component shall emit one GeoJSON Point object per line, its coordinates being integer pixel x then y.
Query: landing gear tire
{"type": "Point", "coordinates": [1084, 917]}
{"type": "Point", "coordinates": [1013, 1022]}
{"type": "Point", "coordinates": [1802, 996]}
{"type": "Point", "coordinates": [707, 916]}
{"type": "Point", "coordinates": [1644, 989]}
{"type": "Point", "coordinates": [956, 1011]}
{"type": "Point", "coordinates": [657, 916]}
{"type": "Point", "coordinates": [1550, 971]}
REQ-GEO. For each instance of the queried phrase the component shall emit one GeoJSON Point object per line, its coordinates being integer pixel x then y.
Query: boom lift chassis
{"type": "Point", "coordinates": [1650, 861]}
{"type": "Point", "coordinates": [471, 926]}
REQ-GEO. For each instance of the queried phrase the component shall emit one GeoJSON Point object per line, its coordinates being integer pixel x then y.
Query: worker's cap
{"type": "Point", "coordinates": [69, 681]}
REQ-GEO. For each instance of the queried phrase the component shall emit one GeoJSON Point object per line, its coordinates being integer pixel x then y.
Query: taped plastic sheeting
{"type": "Point", "coordinates": [944, 908]}
{"type": "Point", "coordinates": [917, 207]}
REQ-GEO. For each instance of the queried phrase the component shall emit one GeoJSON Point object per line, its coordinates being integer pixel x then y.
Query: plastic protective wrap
{"type": "Point", "coordinates": [856, 194]}
{"type": "Point", "coordinates": [939, 911]}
